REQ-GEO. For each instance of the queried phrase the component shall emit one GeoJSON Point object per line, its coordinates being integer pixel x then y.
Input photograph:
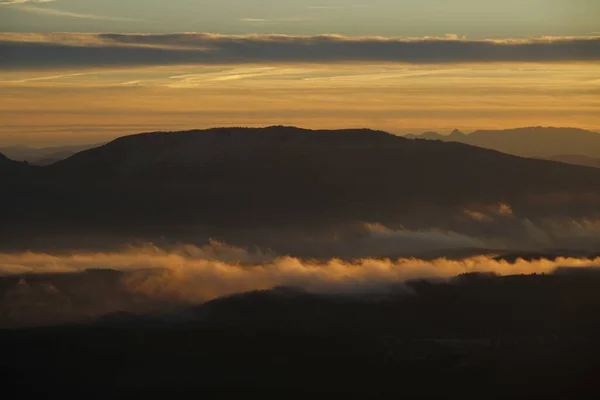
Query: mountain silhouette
{"type": "Point", "coordinates": [11, 169]}
{"type": "Point", "coordinates": [163, 150]}
{"type": "Point", "coordinates": [538, 142]}
{"type": "Point", "coordinates": [456, 135]}
{"type": "Point", "coordinates": [225, 180]}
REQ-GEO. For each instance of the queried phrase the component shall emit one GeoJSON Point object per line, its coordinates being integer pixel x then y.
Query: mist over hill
{"type": "Point", "coordinates": [467, 334]}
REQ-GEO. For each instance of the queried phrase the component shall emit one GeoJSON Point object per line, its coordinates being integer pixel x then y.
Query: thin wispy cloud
{"type": "Point", "coordinates": [69, 14]}
{"type": "Point", "coordinates": [10, 2]}
{"type": "Point", "coordinates": [23, 5]}
{"type": "Point", "coordinates": [330, 7]}
{"type": "Point", "coordinates": [81, 50]}
{"type": "Point", "coordinates": [273, 20]}
{"type": "Point", "coordinates": [48, 78]}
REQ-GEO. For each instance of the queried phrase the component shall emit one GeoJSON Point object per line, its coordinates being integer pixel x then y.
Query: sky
{"type": "Point", "coordinates": [85, 71]}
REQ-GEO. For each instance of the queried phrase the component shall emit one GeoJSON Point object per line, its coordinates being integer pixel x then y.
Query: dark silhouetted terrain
{"type": "Point", "coordinates": [516, 336]}
{"type": "Point", "coordinates": [81, 315]}
{"type": "Point", "coordinates": [10, 169]}
{"type": "Point", "coordinates": [220, 181]}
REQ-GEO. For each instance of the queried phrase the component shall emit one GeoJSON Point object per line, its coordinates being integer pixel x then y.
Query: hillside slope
{"type": "Point", "coordinates": [220, 181]}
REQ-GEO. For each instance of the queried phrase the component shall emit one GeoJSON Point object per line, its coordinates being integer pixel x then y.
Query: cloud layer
{"type": "Point", "coordinates": [89, 50]}
{"type": "Point", "coordinates": [203, 273]}
{"type": "Point", "coordinates": [39, 288]}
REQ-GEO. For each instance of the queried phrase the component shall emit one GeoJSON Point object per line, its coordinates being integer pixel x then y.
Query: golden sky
{"type": "Point", "coordinates": [89, 88]}
{"type": "Point", "coordinates": [53, 107]}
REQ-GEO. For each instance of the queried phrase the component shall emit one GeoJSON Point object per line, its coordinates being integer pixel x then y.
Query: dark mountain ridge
{"type": "Point", "coordinates": [346, 155]}
{"type": "Point", "coordinates": [140, 152]}
{"type": "Point", "coordinates": [10, 168]}
{"type": "Point", "coordinates": [225, 180]}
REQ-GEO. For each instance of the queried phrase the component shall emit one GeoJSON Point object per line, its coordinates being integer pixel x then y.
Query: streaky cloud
{"type": "Point", "coordinates": [92, 50]}
{"type": "Point", "coordinates": [68, 14]}
{"type": "Point", "coordinates": [13, 2]}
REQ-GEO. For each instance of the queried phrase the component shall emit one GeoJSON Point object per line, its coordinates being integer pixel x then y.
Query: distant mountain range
{"type": "Point", "coordinates": [538, 142]}
{"type": "Point", "coordinates": [44, 155]}
{"type": "Point", "coordinates": [231, 180]}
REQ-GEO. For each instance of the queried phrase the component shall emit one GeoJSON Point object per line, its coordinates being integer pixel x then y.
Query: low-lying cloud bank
{"type": "Point", "coordinates": [203, 273]}
{"type": "Point", "coordinates": [37, 288]}
{"type": "Point", "coordinates": [477, 230]}
{"type": "Point", "coordinates": [43, 289]}
{"type": "Point", "coordinates": [93, 50]}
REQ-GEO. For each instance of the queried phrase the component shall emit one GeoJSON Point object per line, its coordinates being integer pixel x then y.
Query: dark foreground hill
{"type": "Point", "coordinates": [10, 169]}
{"type": "Point", "coordinates": [520, 337]}
{"type": "Point", "coordinates": [539, 142]}
{"type": "Point", "coordinates": [218, 181]}
{"type": "Point", "coordinates": [6, 162]}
